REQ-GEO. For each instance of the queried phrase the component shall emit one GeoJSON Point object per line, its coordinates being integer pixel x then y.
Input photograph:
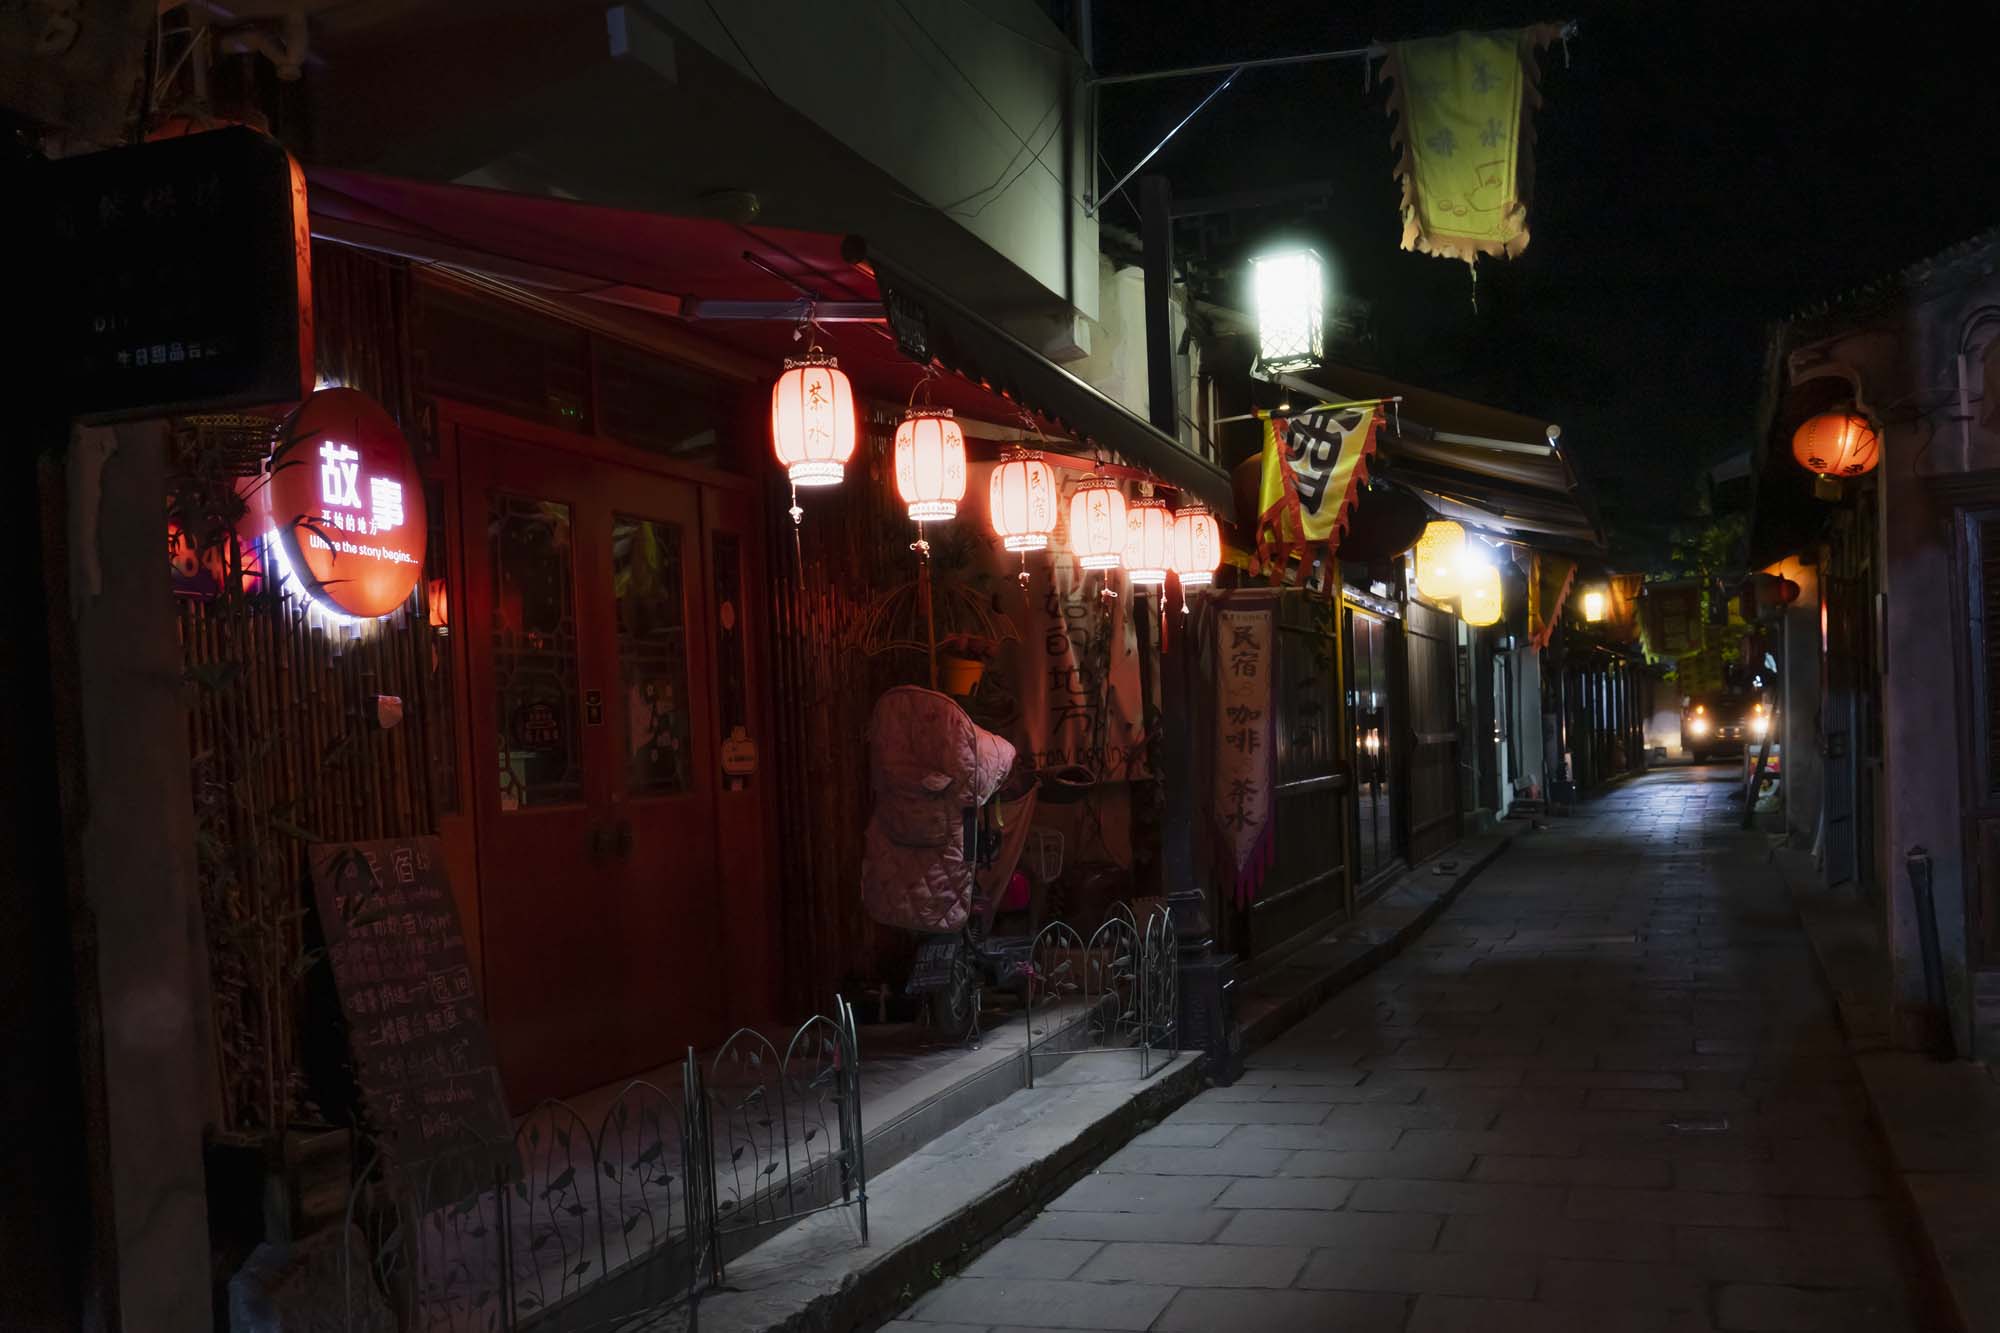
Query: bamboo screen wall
{"type": "Point", "coordinates": [852, 548]}
{"type": "Point", "coordinates": [286, 738]}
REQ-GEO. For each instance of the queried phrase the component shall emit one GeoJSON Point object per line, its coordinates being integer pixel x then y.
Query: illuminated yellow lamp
{"type": "Point", "coordinates": [1594, 606]}
{"type": "Point", "coordinates": [1479, 598]}
{"type": "Point", "coordinates": [1441, 560]}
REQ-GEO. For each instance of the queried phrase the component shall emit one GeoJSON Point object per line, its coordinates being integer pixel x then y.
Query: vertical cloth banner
{"type": "Point", "coordinates": [1465, 138]}
{"type": "Point", "coordinates": [1245, 762]}
{"type": "Point", "coordinates": [1314, 464]}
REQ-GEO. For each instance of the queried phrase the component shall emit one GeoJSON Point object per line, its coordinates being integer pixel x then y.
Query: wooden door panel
{"type": "Point", "coordinates": [594, 766]}
{"type": "Point", "coordinates": [527, 638]}
{"type": "Point", "coordinates": [663, 777]}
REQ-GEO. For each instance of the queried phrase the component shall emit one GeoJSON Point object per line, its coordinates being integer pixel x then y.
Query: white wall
{"type": "Point", "coordinates": [1115, 362]}
{"type": "Point", "coordinates": [941, 95]}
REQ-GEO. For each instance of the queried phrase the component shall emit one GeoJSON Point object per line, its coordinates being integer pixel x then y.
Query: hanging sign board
{"type": "Point", "coordinates": [422, 1055]}
{"type": "Point", "coordinates": [185, 272]}
{"type": "Point", "coordinates": [1245, 713]}
{"type": "Point", "coordinates": [347, 504]}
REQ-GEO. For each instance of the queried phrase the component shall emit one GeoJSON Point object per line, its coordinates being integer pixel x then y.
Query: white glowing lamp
{"type": "Point", "coordinates": [813, 422]}
{"type": "Point", "coordinates": [1290, 294]}
{"type": "Point", "coordinates": [1197, 546]}
{"type": "Point", "coordinates": [1479, 598]}
{"type": "Point", "coordinates": [1097, 523]}
{"type": "Point", "coordinates": [1149, 532]}
{"type": "Point", "coordinates": [1021, 501]}
{"type": "Point", "coordinates": [1594, 606]}
{"type": "Point", "coordinates": [1441, 558]}
{"type": "Point", "coordinates": [930, 464]}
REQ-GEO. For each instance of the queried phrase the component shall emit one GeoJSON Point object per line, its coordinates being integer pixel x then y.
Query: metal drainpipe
{"type": "Point", "coordinates": [1918, 863]}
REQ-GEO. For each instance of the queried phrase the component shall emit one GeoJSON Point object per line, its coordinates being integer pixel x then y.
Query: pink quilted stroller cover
{"type": "Point", "coordinates": [928, 764]}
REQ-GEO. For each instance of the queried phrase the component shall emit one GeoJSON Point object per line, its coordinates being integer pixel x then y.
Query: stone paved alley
{"type": "Point", "coordinates": [1606, 1091]}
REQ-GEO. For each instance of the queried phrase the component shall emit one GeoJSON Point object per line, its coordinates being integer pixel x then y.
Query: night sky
{"type": "Point", "coordinates": [1701, 170]}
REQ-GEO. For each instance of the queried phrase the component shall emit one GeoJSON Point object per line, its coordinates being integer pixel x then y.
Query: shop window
{"type": "Point", "coordinates": [652, 404]}
{"type": "Point", "coordinates": [535, 652]}
{"type": "Point", "coordinates": [510, 360]}
{"type": "Point", "coordinates": [649, 585]}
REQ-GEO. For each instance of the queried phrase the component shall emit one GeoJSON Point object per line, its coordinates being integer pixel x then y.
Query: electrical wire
{"type": "Point", "coordinates": [976, 92]}
{"type": "Point", "coordinates": [752, 65]}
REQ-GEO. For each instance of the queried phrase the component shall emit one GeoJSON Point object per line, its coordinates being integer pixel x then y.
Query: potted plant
{"type": "Point", "coordinates": [962, 660]}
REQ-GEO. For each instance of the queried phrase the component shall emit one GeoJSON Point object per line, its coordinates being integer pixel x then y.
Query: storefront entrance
{"type": "Point", "coordinates": [1372, 719]}
{"type": "Point", "coordinates": [592, 710]}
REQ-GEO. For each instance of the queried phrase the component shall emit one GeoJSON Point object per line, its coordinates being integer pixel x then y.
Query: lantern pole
{"type": "Point", "coordinates": [923, 549]}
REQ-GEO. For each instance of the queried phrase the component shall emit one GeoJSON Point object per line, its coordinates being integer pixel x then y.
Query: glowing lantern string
{"type": "Point", "coordinates": [813, 423]}
{"type": "Point", "coordinates": [1097, 523]}
{"type": "Point", "coordinates": [1197, 547]}
{"type": "Point", "coordinates": [1149, 526]}
{"type": "Point", "coordinates": [930, 464]}
{"type": "Point", "coordinates": [1021, 503]}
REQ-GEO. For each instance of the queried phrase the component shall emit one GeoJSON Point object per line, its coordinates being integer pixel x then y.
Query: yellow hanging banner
{"type": "Point", "coordinates": [1465, 138]}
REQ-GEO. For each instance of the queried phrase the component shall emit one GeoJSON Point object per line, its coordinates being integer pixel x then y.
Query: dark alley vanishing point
{"type": "Point", "coordinates": [1606, 1091]}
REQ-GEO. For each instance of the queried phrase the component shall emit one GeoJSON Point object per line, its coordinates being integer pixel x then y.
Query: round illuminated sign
{"type": "Point", "coordinates": [347, 504]}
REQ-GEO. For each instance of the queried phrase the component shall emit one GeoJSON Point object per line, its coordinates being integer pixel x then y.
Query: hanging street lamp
{"type": "Point", "coordinates": [1289, 291]}
{"type": "Point", "coordinates": [1480, 598]}
{"type": "Point", "coordinates": [1021, 504]}
{"type": "Point", "coordinates": [930, 464]}
{"type": "Point", "coordinates": [1196, 551]}
{"type": "Point", "coordinates": [1149, 527]}
{"type": "Point", "coordinates": [1441, 559]}
{"type": "Point", "coordinates": [1594, 606]}
{"type": "Point", "coordinates": [813, 423]}
{"type": "Point", "coordinates": [1097, 523]}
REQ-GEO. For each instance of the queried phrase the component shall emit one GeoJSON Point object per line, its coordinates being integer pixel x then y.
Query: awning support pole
{"type": "Point", "coordinates": [1151, 153]}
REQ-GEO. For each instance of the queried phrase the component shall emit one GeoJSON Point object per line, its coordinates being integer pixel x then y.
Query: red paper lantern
{"type": "Point", "coordinates": [1021, 499]}
{"type": "Point", "coordinates": [813, 422]}
{"type": "Point", "coordinates": [1837, 444]}
{"type": "Point", "coordinates": [1149, 530]}
{"type": "Point", "coordinates": [1097, 523]}
{"type": "Point", "coordinates": [1197, 546]}
{"type": "Point", "coordinates": [930, 464]}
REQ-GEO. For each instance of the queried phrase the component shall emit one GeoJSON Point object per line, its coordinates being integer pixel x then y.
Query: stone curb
{"type": "Point", "coordinates": [1950, 1297]}
{"type": "Point", "coordinates": [896, 1272]}
{"type": "Point", "coordinates": [1314, 974]}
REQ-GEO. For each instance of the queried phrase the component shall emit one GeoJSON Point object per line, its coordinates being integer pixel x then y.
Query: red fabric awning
{"type": "Point", "coordinates": [672, 267]}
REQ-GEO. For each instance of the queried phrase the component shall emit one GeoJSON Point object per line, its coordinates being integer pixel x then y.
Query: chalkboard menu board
{"type": "Point", "coordinates": [422, 1055]}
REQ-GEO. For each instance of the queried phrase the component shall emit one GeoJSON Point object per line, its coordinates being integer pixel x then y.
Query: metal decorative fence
{"type": "Point", "coordinates": [581, 1221]}
{"type": "Point", "coordinates": [1115, 991]}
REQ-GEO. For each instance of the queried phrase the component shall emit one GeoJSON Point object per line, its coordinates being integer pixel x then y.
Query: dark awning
{"type": "Point", "coordinates": [930, 325]}
{"type": "Point", "coordinates": [1490, 469]}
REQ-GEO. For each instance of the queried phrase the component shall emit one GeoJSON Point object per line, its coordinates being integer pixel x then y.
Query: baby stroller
{"type": "Point", "coordinates": [952, 815]}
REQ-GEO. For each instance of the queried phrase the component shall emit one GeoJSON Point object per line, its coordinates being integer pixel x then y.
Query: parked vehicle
{"type": "Point", "coordinates": [1722, 723]}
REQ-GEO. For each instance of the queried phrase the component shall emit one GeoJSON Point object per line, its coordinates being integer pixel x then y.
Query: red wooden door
{"type": "Point", "coordinates": [594, 764]}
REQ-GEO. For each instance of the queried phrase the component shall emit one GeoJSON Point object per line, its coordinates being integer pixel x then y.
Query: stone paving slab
{"type": "Point", "coordinates": [1605, 1092]}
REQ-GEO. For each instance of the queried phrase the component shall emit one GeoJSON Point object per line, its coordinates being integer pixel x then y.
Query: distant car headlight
{"type": "Point", "coordinates": [1760, 726]}
{"type": "Point", "coordinates": [1698, 726]}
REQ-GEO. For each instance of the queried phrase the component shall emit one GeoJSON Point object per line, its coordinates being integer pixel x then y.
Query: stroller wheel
{"type": "Point", "coordinates": [954, 1007]}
